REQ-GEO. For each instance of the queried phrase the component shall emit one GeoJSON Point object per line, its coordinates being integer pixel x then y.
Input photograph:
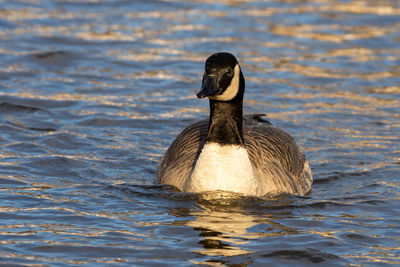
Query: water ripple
{"type": "Point", "coordinates": [93, 92]}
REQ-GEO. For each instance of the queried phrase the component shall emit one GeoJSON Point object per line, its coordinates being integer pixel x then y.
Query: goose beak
{"type": "Point", "coordinates": [209, 87]}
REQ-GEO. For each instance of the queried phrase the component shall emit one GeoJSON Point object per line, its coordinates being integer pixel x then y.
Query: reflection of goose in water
{"type": "Point", "coordinates": [230, 152]}
{"type": "Point", "coordinates": [223, 232]}
{"type": "Point", "coordinates": [227, 228]}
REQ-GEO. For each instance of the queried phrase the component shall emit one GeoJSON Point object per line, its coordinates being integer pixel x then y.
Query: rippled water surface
{"type": "Point", "coordinates": [93, 92]}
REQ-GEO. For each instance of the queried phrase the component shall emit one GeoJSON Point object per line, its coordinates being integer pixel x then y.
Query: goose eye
{"type": "Point", "coordinates": [229, 72]}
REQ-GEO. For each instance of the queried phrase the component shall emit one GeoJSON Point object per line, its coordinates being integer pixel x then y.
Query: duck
{"type": "Point", "coordinates": [231, 152]}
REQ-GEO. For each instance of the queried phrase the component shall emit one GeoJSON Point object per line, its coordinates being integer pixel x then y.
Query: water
{"type": "Point", "coordinates": [93, 92]}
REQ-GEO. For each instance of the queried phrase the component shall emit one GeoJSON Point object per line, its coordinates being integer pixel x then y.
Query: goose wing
{"type": "Point", "coordinates": [275, 156]}
{"type": "Point", "coordinates": [180, 158]}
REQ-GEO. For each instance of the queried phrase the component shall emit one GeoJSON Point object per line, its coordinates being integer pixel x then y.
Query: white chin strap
{"type": "Point", "coordinates": [232, 89]}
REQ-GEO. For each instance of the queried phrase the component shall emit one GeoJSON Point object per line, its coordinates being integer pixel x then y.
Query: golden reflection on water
{"type": "Point", "coordinates": [225, 229]}
{"type": "Point", "coordinates": [118, 32]}
{"type": "Point", "coordinates": [223, 232]}
{"type": "Point", "coordinates": [355, 7]}
{"type": "Point", "coordinates": [153, 36]}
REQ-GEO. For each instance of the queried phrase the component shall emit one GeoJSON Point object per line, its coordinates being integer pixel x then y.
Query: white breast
{"type": "Point", "coordinates": [223, 167]}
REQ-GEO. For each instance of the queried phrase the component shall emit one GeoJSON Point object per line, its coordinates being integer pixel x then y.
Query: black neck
{"type": "Point", "coordinates": [225, 125]}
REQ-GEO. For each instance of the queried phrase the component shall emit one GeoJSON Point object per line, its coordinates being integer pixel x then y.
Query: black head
{"type": "Point", "coordinates": [223, 79]}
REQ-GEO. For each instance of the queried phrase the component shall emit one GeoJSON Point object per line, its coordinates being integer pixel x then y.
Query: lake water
{"type": "Point", "coordinates": [93, 92]}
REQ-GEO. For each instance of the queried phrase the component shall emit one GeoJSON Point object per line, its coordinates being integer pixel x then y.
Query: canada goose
{"type": "Point", "coordinates": [230, 152]}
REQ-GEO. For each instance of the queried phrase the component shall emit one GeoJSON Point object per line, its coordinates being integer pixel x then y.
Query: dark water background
{"type": "Point", "coordinates": [93, 92]}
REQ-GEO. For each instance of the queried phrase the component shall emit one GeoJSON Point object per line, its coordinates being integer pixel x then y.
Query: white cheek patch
{"type": "Point", "coordinates": [232, 89]}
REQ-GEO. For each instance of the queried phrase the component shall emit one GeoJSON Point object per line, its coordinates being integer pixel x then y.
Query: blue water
{"type": "Point", "coordinates": [93, 92]}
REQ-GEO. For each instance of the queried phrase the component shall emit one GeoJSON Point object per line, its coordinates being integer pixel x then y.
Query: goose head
{"type": "Point", "coordinates": [223, 79]}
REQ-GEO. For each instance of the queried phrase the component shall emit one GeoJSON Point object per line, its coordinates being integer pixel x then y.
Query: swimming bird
{"type": "Point", "coordinates": [229, 151]}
